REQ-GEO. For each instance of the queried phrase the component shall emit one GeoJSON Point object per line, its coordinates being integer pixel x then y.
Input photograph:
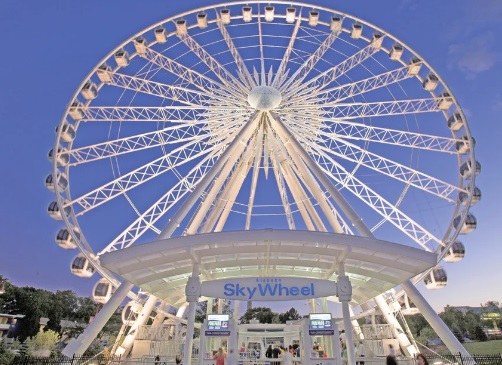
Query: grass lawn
{"type": "Point", "coordinates": [484, 348]}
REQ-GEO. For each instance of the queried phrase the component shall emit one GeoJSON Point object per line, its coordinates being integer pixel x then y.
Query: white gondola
{"type": "Point", "coordinates": [61, 158]}
{"type": "Point", "coordinates": [65, 240]}
{"type": "Point", "coordinates": [140, 44]}
{"type": "Point", "coordinates": [68, 133]}
{"type": "Point", "coordinates": [445, 101]}
{"type": "Point", "coordinates": [160, 34]}
{"type": "Point", "coordinates": [396, 52]}
{"type": "Point", "coordinates": [202, 20]}
{"type": "Point", "coordinates": [247, 14]}
{"type": "Point", "coordinates": [89, 90]}
{"type": "Point", "coordinates": [76, 110]}
{"type": "Point", "coordinates": [131, 311]}
{"type": "Point", "coordinates": [464, 145]}
{"type": "Point", "coordinates": [469, 225]}
{"type": "Point", "coordinates": [408, 308]}
{"type": "Point", "coordinates": [313, 18]}
{"type": "Point", "coordinates": [464, 197]}
{"type": "Point", "coordinates": [455, 121]}
{"type": "Point", "coordinates": [414, 66]}
{"type": "Point", "coordinates": [181, 27]}
{"type": "Point", "coordinates": [62, 182]}
{"type": "Point", "coordinates": [104, 73]}
{"type": "Point", "coordinates": [455, 253]}
{"type": "Point", "coordinates": [336, 24]}
{"type": "Point", "coordinates": [357, 31]}
{"type": "Point", "coordinates": [55, 212]}
{"type": "Point", "coordinates": [377, 40]}
{"type": "Point", "coordinates": [269, 13]}
{"type": "Point", "coordinates": [122, 58]}
{"type": "Point", "coordinates": [290, 15]}
{"type": "Point", "coordinates": [225, 16]}
{"type": "Point", "coordinates": [102, 291]}
{"type": "Point", "coordinates": [436, 278]}
{"type": "Point", "coordinates": [81, 266]}
{"type": "Point", "coordinates": [466, 169]}
{"type": "Point", "coordinates": [430, 82]}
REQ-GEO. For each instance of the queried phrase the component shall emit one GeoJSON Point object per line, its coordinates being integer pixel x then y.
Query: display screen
{"type": "Point", "coordinates": [320, 321]}
{"type": "Point", "coordinates": [217, 322]}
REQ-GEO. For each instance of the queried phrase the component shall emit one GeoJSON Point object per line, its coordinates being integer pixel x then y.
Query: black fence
{"type": "Point", "coordinates": [463, 360]}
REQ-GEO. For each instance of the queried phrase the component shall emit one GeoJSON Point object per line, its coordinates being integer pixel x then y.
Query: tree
{"type": "Point", "coordinates": [6, 355]}
{"type": "Point", "coordinates": [201, 310]}
{"type": "Point", "coordinates": [42, 344]}
{"type": "Point", "coordinates": [426, 334]}
{"type": "Point", "coordinates": [290, 315]}
{"type": "Point", "coordinates": [480, 334]}
{"type": "Point", "coordinates": [263, 314]}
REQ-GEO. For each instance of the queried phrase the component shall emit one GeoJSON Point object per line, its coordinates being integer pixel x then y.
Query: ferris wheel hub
{"type": "Point", "coordinates": [264, 98]}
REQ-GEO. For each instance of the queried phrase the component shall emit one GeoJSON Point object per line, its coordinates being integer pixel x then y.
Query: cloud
{"type": "Point", "coordinates": [497, 104]}
{"type": "Point", "coordinates": [485, 11]}
{"type": "Point", "coordinates": [474, 57]}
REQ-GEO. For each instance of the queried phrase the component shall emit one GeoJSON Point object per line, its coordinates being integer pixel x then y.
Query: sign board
{"type": "Point", "coordinates": [217, 322]}
{"type": "Point", "coordinates": [268, 288]}
{"type": "Point", "coordinates": [320, 324]}
{"type": "Point", "coordinates": [217, 333]}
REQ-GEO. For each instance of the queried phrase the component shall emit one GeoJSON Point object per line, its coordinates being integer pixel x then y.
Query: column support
{"type": "Point", "coordinates": [192, 291]}
{"type": "Point", "coordinates": [240, 139]}
{"type": "Point", "coordinates": [143, 317]}
{"type": "Point", "coordinates": [344, 293]}
{"type": "Point", "coordinates": [80, 344]}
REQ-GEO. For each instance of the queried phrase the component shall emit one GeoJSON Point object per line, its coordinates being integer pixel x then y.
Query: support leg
{"type": "Point", "coordinates": [79, 345]}
{"type": "Point", "coordinates": [433, 319]}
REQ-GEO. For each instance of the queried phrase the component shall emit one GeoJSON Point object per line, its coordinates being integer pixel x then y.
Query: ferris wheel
{"type": "Point", "coordinates": [152, 120]}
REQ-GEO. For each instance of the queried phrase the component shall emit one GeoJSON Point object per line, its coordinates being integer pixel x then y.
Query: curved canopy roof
{"type": "Point", "coordinates": [162, 267]}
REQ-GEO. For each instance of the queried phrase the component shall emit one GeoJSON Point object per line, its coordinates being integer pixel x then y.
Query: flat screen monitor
{"type": "Point", "coordinates": [217, 322]}
{"type": "Point", "coordinates": [320, 321]}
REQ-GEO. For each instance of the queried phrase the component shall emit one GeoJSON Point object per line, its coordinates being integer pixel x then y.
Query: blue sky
{"type": "Point", "coordinates": [48, 47]}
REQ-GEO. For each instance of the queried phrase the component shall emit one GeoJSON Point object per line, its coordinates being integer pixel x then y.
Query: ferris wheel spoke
{"type": "Point", "coordinates": [190, 76]}
{"type": "Point", "coordinates": [172, 135]}
{"type": "Point", "coordinates": [335, 95]}
{"type": "Point", "coordinates": [325, 78]}
{"type": "Point", "coordinates": [222, 73]}
{"type": "Point", "coordinates": [176, 93]}
{"type": "Point", "coordinates": [280, 76]}
{"type": "Point", "coordinates": [241, 66]}
{"type": "Point", "coordinates": [374, 200]}
{"type": "Point", "coordinates": [350, 152]}
{"type": "Point", "coordinates": [173, 114]}
{"type": "Point", "coordinates": [357, 131]}
{"type": "Point", "coordinates": [297, 78]}
{"type": "Point", "coordinates": [147, 220]}
{"type": "Point", "coordinates": [377, 109]}
{"type": "Point", "coordinates": [135, 178]}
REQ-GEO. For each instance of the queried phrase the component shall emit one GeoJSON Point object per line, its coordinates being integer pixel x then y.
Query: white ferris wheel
{"type": "Point", "coordinates": [256, 115]}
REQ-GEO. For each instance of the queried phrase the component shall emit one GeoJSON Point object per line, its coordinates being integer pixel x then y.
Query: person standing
{"type": "Point", "coordinates": [392, 352]}
{"type": "Point", "coordinates": [360, 352]}
{"type": "Point", "coordinates": [220, 356]}
{"type": "Point", "coordinates": [269, 351]}
{"type": "Point", "coordinates": [287, 358]}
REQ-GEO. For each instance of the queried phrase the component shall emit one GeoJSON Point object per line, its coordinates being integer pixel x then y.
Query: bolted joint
{"type": "Point", "coordinates": [344, 288]}
{"type": "Point", "coordinates": [192, 289]}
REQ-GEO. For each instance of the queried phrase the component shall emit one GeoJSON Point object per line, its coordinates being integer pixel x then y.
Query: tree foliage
{"type": "Point", "coordinates": [43, 343]}
{"type": "Point", "coordinates": [37, 303]}
{"type": "Point", "coordinates": [262, 314]}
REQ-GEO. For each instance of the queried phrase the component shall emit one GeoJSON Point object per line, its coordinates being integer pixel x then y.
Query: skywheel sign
{"type": "Point", "coordinates": [268, 288]}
